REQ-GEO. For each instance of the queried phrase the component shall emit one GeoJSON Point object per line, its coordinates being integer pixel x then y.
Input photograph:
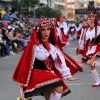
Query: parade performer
{"type": "Point", "coordinates": [42, 67]}
{"type": "Point", "coordinates": [64, 30]}
{"type": "Point", "coordinates": [72, 29]}
{"type": "Point", "coordinates": [93, 48]}
{"type": "Point", "coordinates": [58, 33]}
{"type": "Point", "coordinates": [79, 28]}
{"type": "Point", "coordinates": [81, 44]}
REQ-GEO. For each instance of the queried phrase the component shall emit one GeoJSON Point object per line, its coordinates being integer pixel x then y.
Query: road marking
{"type": "Point", "coordinates": [78, 84]}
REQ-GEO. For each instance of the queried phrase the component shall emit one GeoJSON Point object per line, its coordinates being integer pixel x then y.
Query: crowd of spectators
{"type": "Point", "coordinates": [14, 33]}
{"type": "Point", "coordinates": [12, 39]}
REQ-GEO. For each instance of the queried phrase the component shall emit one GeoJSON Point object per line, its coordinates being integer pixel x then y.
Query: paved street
{"type": "Point", "coordinates": [81, 89]}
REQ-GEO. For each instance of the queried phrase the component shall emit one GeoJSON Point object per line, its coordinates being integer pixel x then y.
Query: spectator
{"type": "Point", "coordinates": [5, 37]}
{"type": "Point", "coordinates": [14, 15]}
{"type": "Point", "coordinates": [20, 37]}
{"type": "Point", "coordinates": [6, 16]}
{"type": "Point", "coordinates": [2, 46]}
{"type": "Point", "coordinates": [13, 39]}
{"type": "Point", "coordinates": [11, 25]}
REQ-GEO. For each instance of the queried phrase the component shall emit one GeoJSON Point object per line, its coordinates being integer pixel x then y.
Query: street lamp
{"type": "Point", "coordinates": [48, 3]}
{"type": "Point", "coordinates": [34, 14]}
{"type": "Point", "coordinates": [17, 5]}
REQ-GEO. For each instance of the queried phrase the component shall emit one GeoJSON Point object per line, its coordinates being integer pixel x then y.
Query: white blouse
{"type": "Point", "coordinates": [82, 39]}
{"type": "Point", "coordinates": [91, 34]}
{"type": "Point", "coordinates": [64, 26]}
{"type": "Point", "coordinates": [42, 54]}
{"type": "Point", "coordinates": [59, 33]}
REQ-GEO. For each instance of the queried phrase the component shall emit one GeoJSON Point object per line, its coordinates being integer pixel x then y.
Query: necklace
{"type": "Point", "coordinates": [91, 28]}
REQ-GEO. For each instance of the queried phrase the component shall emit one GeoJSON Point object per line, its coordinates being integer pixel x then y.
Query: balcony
{"type": "Point", "coordinates": [59, 3]}
{"type": "Point", "coordinates": [43, 2]}
{"type": "Point", "coordinates": [6, 0]}
{"type": "Point", "coordinates": [70, 3]}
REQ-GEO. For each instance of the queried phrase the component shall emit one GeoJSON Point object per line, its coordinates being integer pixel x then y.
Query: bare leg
{"type": "Point", "coordinates": [90, 62]}
{"type": "Point", "coordinates": [47, 95]}
{"type": "Point", "coordinates": [59, 89]}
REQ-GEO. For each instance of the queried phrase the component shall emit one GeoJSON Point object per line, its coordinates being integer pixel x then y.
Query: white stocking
{"type": "Point", "coordinates": [96, 76]}
{"type": "Point", "coordinates": [55, 96]}
{"type": "Point", "coordinates": [73, 36]}
{"type": "Point", "coordinates": [96, 63]}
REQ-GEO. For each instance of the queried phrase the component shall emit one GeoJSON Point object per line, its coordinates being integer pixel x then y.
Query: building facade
{"type": "Point", "coordinates": [71, 5]}
{"type": "Point", "coordinates": [4, 3]}
{"type": "Point", "coordinates": [70, 9]}
{"type": "Point", "coordinates": [60, 5]}
{"type": "Point", "coordinates": [55, 4]}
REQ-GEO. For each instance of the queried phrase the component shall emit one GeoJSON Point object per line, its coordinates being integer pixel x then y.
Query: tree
{"type": "Point", "coordinates": [47, 12]}
{"type": "Point", "coordinates": [25, 3]}
{"type": "Point", "coordinates": [30, 3]}
{"type": "Point", "coordinates": [98, 16]}
{"type": "Point", "coordinates": [40, 12]}
{"type": "Point", "coordinates": [13, 3]}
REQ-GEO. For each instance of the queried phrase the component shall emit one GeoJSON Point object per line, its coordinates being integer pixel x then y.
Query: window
{"type": "Point", "coordinates": [56, 6]}
{"type": "Point", "coordinates": [70, 1]}
{"type": "Point", "coordinates": [70, 14]}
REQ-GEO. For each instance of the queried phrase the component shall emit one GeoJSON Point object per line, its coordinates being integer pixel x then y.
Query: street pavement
{"type": "Point", "coordinates": [81, 89]}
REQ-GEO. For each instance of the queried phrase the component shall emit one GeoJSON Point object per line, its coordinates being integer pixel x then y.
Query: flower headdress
{"type": "Point", "coordinates": [94, 17]}
{"type": "Point", "coordinates": [42, 23]}
{"type": "Point", "coordinates": [61, 16]}
{"type": "Point", "coordinates": [53, 19]}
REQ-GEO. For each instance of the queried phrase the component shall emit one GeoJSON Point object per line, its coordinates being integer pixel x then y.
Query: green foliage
{"type": "Point", "coordinates": [47, 12]}
{"type": "Point", "coordinates": [25, 3]}
{"type": "Point", "coordinates": [30, 3]}
{"type": "Point", "coordinates": [31, 13]}
{"type": "Point", "coordinates": [40, 12]}
{"type": "Point", "coordinates": [13, 3]}
{"type": "Point", "coordinates": [98, 15]}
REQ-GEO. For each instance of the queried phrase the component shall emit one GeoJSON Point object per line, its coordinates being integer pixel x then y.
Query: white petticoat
{"type": "Point", "coordinates": [92, 50]}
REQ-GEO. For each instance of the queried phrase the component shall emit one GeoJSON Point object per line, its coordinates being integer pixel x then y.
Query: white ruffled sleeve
{"type": "Point", "coordinates": [62, 67]}
{"type": "Point", "coordinates": [79, 27]}
{"type": "Point", "coordinates": [65, 28]}
{"type": "Point", "coordinates": [41, 54]}
{"type": "Point", "coordinates": [98, 30]}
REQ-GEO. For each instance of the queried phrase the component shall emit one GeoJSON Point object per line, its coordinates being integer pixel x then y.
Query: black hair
{"type": "Point", "coordinates": [11, 22]}
{"type": "Point", "coordinates": [51, 39]}
{"type": "Point", "coordinates": [9, 30]}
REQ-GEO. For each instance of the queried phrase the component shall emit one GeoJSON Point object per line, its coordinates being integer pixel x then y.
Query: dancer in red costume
{"type": "Point", "coordinates": [79, 28]}
{"type": "Point", "coordinates": [42, 67]}
{"type": "Point", "coordinates": [72, 29]}
{"type": "Point", "coordinates": [62, 25]}
{"type": "Point", "coordinates": [81, 45]}
{"type": "Point", "coordinates": [93, 47]}
{"type": "Point", "coordinates": [58, 32]}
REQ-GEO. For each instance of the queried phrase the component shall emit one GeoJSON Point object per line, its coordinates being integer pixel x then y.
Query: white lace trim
{"type": "Point", "coordinates": [70, 61]}
{"type": "Point", "coordinates": [43, 84]}
{"type": "Point", "coordinates": [30, 70]}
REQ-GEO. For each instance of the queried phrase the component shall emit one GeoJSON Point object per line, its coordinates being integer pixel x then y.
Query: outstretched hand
{"type": "Point", "coordinates": [69, 44]}
{"type": "Point", "coordinates": [72, 79]}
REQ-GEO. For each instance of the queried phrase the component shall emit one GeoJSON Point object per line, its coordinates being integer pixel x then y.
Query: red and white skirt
{"type": "Point", "coordinates": [64, 38]}
{"type": "Point", "coordinates": [79, 51]}
{"type": "Point", "coordinates": [93, 51]}
{"type": "Point", "coordinates": [42, 81]}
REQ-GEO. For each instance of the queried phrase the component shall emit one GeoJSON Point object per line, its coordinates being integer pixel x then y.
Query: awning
{"type": "Point", "coordinates": [59, 3]}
